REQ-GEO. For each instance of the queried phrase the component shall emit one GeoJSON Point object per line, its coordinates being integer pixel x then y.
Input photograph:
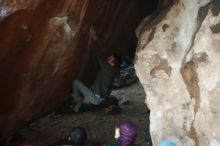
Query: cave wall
{"type": "Point", "coordinates": [43, 47]}
{"type": "Point", "coordinates": [38, 59]}
{"type": "Point", "coordinates": [177, 61]}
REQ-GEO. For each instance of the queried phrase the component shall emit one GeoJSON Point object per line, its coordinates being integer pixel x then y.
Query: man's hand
{"type": "Point", "coordinates": [93, 33]}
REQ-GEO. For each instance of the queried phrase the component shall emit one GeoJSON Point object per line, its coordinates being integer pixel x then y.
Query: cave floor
{"type": "Point", "coordinates": [99, 125]}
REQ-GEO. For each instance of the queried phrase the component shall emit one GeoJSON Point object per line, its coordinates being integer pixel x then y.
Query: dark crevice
{"type": "Point", "coordinates": [203, 12]}
{"type": "Point", "coordinates": [151, 35]}
{"type": "Point", "coordinates": [164, 27]}
{"type": "Point", "coordinates": [215, 7]}
{"type": "Point", "coordinates": [215, 28]}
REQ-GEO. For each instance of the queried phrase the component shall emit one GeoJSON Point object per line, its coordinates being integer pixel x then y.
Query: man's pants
{"type": "Point", "coordinates": [89, 97]}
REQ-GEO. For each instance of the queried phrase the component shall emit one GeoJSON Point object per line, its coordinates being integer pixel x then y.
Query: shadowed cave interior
{"type": "Point", "coordinates": [45, 47]}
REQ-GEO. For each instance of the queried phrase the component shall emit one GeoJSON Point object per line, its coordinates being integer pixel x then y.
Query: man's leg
{"type": "Point", "coordinates": [80, 89]}
{"type": "Point", "coordinates": [89, 97]}
{"type": "Point", "coordinates": [76, 90]}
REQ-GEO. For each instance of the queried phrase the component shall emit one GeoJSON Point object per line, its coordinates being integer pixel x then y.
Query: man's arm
{"type": "Point", "coordinates": [96, 45]}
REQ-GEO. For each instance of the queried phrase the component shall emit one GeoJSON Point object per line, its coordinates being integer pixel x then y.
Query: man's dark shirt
{"type": "Point", "coordinates": [102, 85]}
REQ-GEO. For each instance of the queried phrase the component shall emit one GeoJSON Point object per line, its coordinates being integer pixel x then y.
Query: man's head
{"type": "Point", "coordinates": [114, 60]}
{"type": "Point", "coordinates": [78, 135]}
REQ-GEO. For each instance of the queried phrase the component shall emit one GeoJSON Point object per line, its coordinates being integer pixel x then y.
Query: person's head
{"type": "Point", "coordinates": [167, 143]}
{"type": "Point", "coordinates": [114, 60]}
{"type": "Point", "coordinates": [128, 134]}
{"type": "Point", "coordinates": [78, 135]}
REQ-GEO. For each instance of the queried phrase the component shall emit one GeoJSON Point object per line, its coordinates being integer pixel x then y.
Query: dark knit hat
{"type": "Point", "coordinates": [78, 135]}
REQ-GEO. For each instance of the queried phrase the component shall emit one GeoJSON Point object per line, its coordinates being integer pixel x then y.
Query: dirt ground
{"type": "Point", "coordinates": [99, 125]}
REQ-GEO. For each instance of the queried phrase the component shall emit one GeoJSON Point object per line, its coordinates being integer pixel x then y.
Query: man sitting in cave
{"type": "Point", "coordinates": [102, 86]}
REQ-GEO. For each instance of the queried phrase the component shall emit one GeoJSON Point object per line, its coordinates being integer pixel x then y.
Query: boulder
{"type": "Point", "coordinates": [177, 62]}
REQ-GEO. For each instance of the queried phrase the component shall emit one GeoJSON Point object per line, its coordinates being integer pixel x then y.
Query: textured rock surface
{"type": "Point", "coordinates": [42, 47]}
{"type": "Point", "coordinates": [35, 58]}
{"type": "Point", "coordinates": [178, 63]}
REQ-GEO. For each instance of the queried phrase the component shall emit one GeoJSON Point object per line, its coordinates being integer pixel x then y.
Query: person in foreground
{"type": "Point", "coordinates": [78, 137]}
{"type": "Point", "coordinates": [167, 143]}
{"type": "Point", "coordinates": [126, 135]}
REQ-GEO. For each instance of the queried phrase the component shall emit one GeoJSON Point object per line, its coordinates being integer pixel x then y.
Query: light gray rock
{"type": "Point", "coordinates": [177, 62]}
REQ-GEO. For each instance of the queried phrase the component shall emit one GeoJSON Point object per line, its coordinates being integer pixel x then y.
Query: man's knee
{"type": "Point", "coordinates": [76, 82]}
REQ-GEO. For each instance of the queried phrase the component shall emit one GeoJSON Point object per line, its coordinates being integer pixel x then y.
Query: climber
{"type": "Point", "coordinates": [102, 86]}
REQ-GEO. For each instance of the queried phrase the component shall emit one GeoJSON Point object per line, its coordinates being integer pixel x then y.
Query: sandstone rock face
{"type": "Point", "coordinates": [10, 6]}
{"type": "Point", "coordinates": [177, 62]}
{"type": "Point", "coordinates": [36, 46]}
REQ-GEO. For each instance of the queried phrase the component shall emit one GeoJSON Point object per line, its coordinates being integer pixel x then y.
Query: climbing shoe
{"type": "Point", "coordinates": [75, 108]}
{"type": "Point", "coordinates": [77, 98]}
